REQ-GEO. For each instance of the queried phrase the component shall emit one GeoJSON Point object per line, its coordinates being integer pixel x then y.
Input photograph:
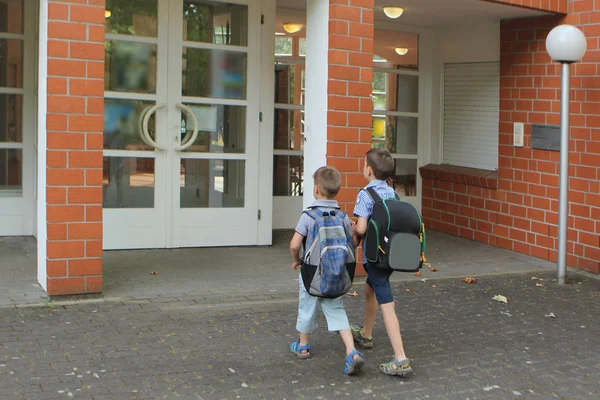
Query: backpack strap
{"type": "Point", "coordinates": [374, 195]}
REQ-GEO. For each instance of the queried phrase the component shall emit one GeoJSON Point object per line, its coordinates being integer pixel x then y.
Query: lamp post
{"type": "Point", "coordinates": [565, 44]}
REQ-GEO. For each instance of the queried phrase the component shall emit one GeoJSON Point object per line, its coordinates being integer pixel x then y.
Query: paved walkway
{"type": "Point", "coordinates": [463, 344]}
{"type": "Point", "coordinates": [266, 270]}
{"type": "Point", "coordinates": [218, 272]}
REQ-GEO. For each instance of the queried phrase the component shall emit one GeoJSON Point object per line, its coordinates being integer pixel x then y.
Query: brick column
{"type": "Point", "coordinates": [74, 158]}
{"type": "Point", "coordinates": [350, 106]}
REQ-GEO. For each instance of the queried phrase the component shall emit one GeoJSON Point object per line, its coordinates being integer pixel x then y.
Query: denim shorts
{"type": "Point", "coordinates": [379, 280]}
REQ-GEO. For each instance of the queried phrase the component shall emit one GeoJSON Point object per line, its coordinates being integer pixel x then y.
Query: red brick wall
{"type": "Point", "coordinates": [522, 215]}
{"type": "Point", "coordinates": [350, 107]}
{"type": "Point", "coordinates": [74, 126]}
{"type": "Point", "coordinates": [558, 6]}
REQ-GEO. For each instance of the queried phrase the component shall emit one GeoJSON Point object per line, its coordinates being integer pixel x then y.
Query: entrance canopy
{"type": "Point", "coordinates": [437, 13]}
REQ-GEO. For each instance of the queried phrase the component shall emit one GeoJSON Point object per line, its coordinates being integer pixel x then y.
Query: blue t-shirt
{"type": "Point", "coordinates": [364, 202]}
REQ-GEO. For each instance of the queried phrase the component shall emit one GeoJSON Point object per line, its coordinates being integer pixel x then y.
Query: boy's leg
{"type": "Point", "coordinates": [307, 315]}
{"type": "Point", "coordinates": [392, 325]}
{"type": "Point", "coordinates": [379, 280]}
{"type": "Point", "coordinates": [370, 311]}
{"type": "Point", "coordinates": [337, 321]}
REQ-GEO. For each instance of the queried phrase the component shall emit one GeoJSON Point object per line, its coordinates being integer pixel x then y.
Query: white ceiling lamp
{"type": "Point", "coordinates": [393, 12]}
{"type": "Point", "coordinates": [292, 27]}
{"type": "Point", "coordinates": [401, 51]}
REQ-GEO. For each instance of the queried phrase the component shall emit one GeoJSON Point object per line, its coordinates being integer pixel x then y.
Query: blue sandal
{"type": "Point", "coordinates": [353, 366]}
{"type": "Point", "coordinates": [297, 349]}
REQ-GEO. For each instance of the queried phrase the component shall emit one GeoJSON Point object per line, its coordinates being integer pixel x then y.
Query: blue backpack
{"type": "Point", "coordinates": [329, 262]}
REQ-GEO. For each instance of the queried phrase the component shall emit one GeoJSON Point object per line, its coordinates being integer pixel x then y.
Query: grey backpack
{"type": "Point", "coordinates": [328, 263]}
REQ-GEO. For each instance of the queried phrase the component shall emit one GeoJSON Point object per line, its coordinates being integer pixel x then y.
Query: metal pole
{"type": "Point", "coordinates": [563, 213]}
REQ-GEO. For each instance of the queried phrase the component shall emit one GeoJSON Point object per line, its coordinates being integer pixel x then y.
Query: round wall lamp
{"type": "Point", "coordinates": [107, 14]}
{"type": "Point", "coordinates": [393, 12]}
{"type": "Point", "coordinates": [401, 51]}
{"type": "Point", "coordinates": [292, 28]}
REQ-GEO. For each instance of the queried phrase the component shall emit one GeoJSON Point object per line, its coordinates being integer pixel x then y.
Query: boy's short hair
{"type": "Point", "coordinates": [328, 180]}
{"type": "Point", "coordinates": [382, 163]}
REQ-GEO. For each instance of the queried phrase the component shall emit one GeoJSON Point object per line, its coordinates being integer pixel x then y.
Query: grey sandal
{"type": "Point", "coordinates": [397, 368]}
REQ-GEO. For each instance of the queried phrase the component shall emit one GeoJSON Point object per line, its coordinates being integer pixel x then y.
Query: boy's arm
{"type": "Point", "coordinates": [295, 246]}
{"type": "Point", "coordinates": [360, 228]}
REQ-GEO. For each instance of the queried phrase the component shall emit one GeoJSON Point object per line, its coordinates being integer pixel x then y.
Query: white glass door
{"type": "Point", "coordinates": [135, 124]}
{"type": "Point", "coordinates": [181, 124]}
{"type": "Point", "coordinates": [214, 49]}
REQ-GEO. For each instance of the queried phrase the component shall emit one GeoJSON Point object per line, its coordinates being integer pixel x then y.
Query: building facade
{"type": "Point", "coordinates": [128, 124]}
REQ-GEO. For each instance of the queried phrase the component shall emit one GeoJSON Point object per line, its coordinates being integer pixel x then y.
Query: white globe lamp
{"type": "Point", "coordinates": [565, 44]}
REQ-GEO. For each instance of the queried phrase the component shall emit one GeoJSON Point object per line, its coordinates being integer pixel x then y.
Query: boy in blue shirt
{"type": "Point", "coordinates": [379, 167]}
{"type": "Point", "coordinates": [327, 185]}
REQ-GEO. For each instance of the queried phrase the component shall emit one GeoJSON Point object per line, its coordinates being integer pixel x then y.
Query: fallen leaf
{"type": "Point", "coordinates": [500, 298]}
{"type": "Point", "coordinates": [535, 278]}
{"type": "Point", "coordinates": [550, 315]}
{"type": "Point", "coordinates": [424, 279]}
{"type": "Point", "coordinates": [419, 273]}
{"type": "Point", "coordinates": [153, 273]}
{"type": "Point", "coordinates": [469, 280]}
{"type": "Point", "coordinates": [539, 284]}
{"type": "Point", "coordinates": [409, 290]}
{"type": "Point", "coordinates": [353, 294]}
{"type": "Point", "coordinates": [432, 269]}
{"type": "Point", "coordinates": [434, 286]}
{"type": "Point", "coordinates": [441, 314]}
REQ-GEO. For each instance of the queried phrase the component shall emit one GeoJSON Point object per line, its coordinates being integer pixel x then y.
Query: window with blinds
{"type": "Point", "coordinates": [471, 114]}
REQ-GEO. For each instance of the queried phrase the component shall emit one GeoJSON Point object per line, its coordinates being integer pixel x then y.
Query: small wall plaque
{"type": "Point", "coordinates": [545, 137]}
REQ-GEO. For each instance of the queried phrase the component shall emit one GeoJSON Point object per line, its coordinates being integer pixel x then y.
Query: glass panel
{"type": "Point", "coordinates": [288, 179]}
{"type": "Point", "coordinates": [289, 84]}
{"type": "Point", "coordinates": [11, 63]}
{"type": "Point", "coordinates": [398, 134]}
{"type": "Point", "coordinates": [11, 161]}
{"type": "Point", "coordinates": [122, 124]}
{"type": "Point", "coordinates": [214, 73]}
{"type": "Point", "coordinates": [385, 53]}
{"type": "Point", "coordinates": [128, 182]}
{"type": "Point", "coordinates": [289, 130]}
{"type": "Point", "coordinates": [404, 181]}
{"type": "Point", "coordinates": [394, 92]}
{"type": "Point", "coordinates": [130, 67]}
{"type": "Point", "coordinates": [283, 46]}
{"type": "Point", "coordinates": [222, 128]}
{"type": "Point", "coordinates": [212, 183]}
{"type": "Point", "coordinates": [132, 17]}
{"type": "Point", "coordinates": [215, 22]}
{"type": "Point", "coordinates": [11, 16]}
{"type": "Point", "coordinates": [11, 118]}
{"type": "Point", "coordinates": [303, 47]}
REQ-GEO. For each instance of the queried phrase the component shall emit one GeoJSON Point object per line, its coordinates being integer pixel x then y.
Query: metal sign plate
{"type": "Point", "coordinates": [545, 137]}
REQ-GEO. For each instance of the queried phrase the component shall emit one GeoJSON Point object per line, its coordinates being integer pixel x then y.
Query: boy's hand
{"type": "Point", "coordinates": [296, 264]}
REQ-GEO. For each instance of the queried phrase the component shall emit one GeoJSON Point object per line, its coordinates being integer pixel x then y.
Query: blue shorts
{"type": "Point", "coordinates": [379, 280]}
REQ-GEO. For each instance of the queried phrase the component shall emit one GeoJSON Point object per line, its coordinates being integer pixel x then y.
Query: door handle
{"type": "Point", "coordinates": [192, 139]}
{"type": "Point", "coordinates": [145, 121]}
{"type": "Point", "coordinates": [140, 126]}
